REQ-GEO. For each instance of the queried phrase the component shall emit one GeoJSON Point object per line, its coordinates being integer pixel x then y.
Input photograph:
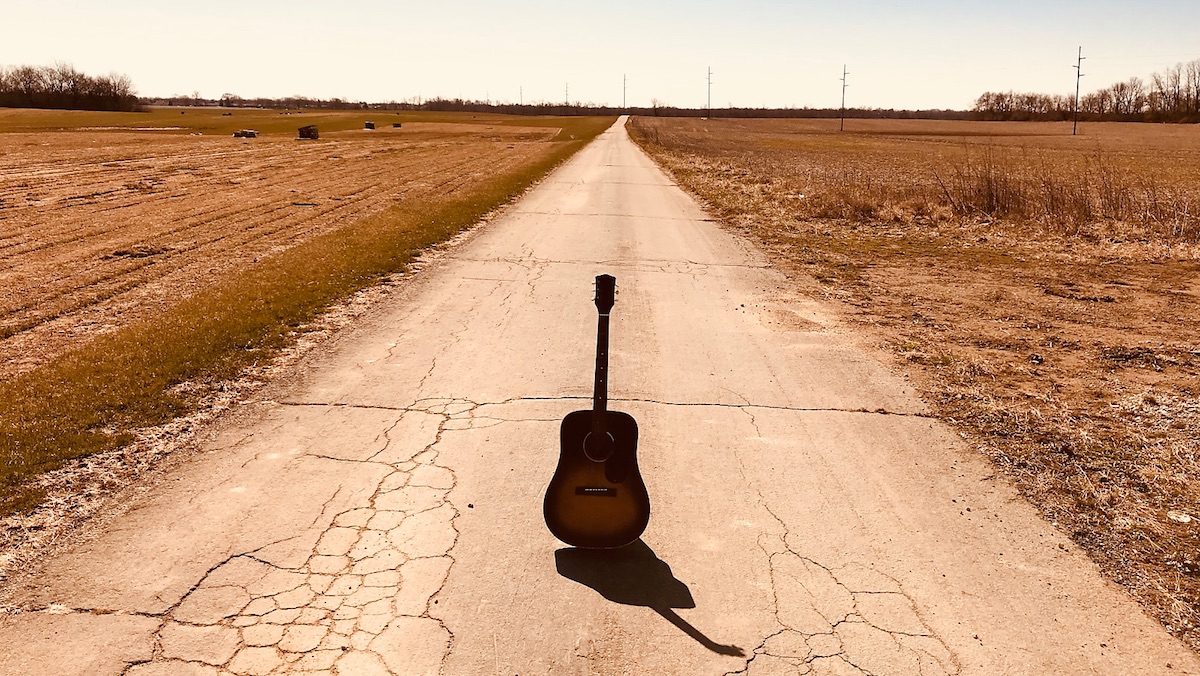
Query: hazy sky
{"type": "Point", "coordinates": [916, 54]}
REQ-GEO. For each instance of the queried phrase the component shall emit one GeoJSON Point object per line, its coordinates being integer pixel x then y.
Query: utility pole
{"type": "Point", "coordinates": [1078, 77]}
{"type": "Point", "coordinates": [842, 126]}
{"type": "Point", "coordinates": [624, 89]}
{"type": "Point", "coordinates": [710, 92]}
{"type": "Point", "coordinates": [567, 93]}
{"type": "Point", "coordinates": [521, 95]}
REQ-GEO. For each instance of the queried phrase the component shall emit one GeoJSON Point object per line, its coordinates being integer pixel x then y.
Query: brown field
{"type": "Point", "coordinates": [153, 269]}
{"type": "Point", "coordinates": [1040, 290]}
{"type": "Point", "coordinates": [101, 227]}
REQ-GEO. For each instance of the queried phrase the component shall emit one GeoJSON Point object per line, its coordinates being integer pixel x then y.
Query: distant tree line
{"type": "Point", "coordinates": [61, 86]}
{"type": "Point", "coordinates": [657, 108]}
{"type": "Point", "coordinates": [234, 101]}
{"type": "Point", "coordinates": [1172, 95]}
{"type": "Point", "coordinates": [1169, 96]}
{"type": "Point", "coordinates": [660, 109]}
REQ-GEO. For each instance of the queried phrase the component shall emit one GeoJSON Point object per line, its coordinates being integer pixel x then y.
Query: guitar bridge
{"type": "Point", "coordinates": [601, 491]}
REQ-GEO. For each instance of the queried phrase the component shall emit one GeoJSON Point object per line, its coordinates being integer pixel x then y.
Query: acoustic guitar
{"type": "Point", "coordinates": [596, 498]}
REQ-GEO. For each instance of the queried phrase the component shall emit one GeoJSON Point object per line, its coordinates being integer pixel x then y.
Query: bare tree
{"type": "Point", "coordinates": [1169, 87]}
{"type": "Point", "coordinates": [28, 82]}
{"type": "Point", "coordinates": [1137, 94]}
{"type": "Point", "coordinates": [1192, 86]}
{"type": "Point", "coordinates": [1122, 98]}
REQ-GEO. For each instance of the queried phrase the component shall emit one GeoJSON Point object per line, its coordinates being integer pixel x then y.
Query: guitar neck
{"type": "Point", "coordinates": [600, 398]}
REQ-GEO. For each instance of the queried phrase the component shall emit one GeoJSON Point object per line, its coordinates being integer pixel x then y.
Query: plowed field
{"type": "Point", "coordinates": [99, 227]}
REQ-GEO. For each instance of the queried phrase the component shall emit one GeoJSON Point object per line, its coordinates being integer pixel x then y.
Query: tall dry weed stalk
{"type": "Point", "coordinates": [983, 187]}
{"type": "Point", "coordinates": [1092, 194]}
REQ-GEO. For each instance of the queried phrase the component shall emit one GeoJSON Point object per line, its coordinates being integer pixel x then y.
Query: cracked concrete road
{"type": "Point", "coordinates": [384, 516]}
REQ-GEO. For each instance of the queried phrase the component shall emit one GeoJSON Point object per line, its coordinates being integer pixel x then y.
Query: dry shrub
{"type": "Point", "coordinates": [983, 187]}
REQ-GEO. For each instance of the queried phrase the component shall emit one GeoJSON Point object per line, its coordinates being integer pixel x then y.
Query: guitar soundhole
{"type": "Point", "coordinates": [598, 447]}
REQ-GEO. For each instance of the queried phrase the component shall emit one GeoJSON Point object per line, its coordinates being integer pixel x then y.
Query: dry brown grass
{"type": "Point", "coordinates": [1042, 290]}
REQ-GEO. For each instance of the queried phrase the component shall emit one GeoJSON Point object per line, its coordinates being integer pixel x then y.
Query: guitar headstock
{"type": "Point", "coordinates": [606, 292]}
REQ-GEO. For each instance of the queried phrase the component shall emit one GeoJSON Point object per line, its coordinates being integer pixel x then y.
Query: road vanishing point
{"type": "Point", "coordinates": [381, 512]}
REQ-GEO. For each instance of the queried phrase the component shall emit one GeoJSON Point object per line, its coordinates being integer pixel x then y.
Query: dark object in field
{"type": "Point", "coordinates": [138, 251]}
{"type": "Point", "coordinates": [395, 125]}
{"type": "Point", "coordinates": [596, 498]}
{"type": "Point", "coordinates": [368, 125]}
{"type": "Point", "coordinates": [226, 114]}
{"type": "Point", "coordinates": [245, 133]}
{"type": "Point", "coordinates": [309, 132]}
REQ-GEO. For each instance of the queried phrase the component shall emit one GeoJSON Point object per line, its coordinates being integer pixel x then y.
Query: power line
{"type": "Point", "coordinates": [842, 126]}
{"type": "Point", "coordinates": [1078, 76]}
{"type": "Point", "coordinates": [710, 92]}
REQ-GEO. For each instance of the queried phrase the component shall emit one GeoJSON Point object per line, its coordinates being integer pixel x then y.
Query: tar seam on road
{"type": "Point", "coordinates": [768, 407]}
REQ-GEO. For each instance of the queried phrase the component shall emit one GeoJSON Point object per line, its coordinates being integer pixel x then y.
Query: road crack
{"type": "Point", "coordinates": [853, 613]}
{"type": "Point", "coordinates": [748, 405]}
{"type": "Point", "coordinates": [659, 264]}
{"type": "Point", "coordinates": [365, 591]}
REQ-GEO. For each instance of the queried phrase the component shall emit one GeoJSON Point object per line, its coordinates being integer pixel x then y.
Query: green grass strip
{"type": "Point", "coordinates": [92, 399]}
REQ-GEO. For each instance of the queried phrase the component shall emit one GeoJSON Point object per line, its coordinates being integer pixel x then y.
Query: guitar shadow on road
{"type": "Point", "coordinates": [634, 576]}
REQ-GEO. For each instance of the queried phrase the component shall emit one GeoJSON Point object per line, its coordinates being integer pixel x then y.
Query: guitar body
{"type": "Point", "coordinates": [597, 503]}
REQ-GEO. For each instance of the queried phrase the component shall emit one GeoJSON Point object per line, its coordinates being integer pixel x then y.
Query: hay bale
{"type": "Point", "coordinates": [245, 133]}
{"type": "Point", "coordinates": [309, 132]}
{"type": "Point", "coordinates": [368, 125]}
{"type": "Point", "coordinates": [395, 125]}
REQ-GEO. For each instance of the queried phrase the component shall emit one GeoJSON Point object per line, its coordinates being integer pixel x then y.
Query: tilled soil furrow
{"type": "Point", "coordinates": [92, 238]}
{"type": "Point", "coordinates": [71, 229]}
{"type": "Point", "coordinates": [204, 215]}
